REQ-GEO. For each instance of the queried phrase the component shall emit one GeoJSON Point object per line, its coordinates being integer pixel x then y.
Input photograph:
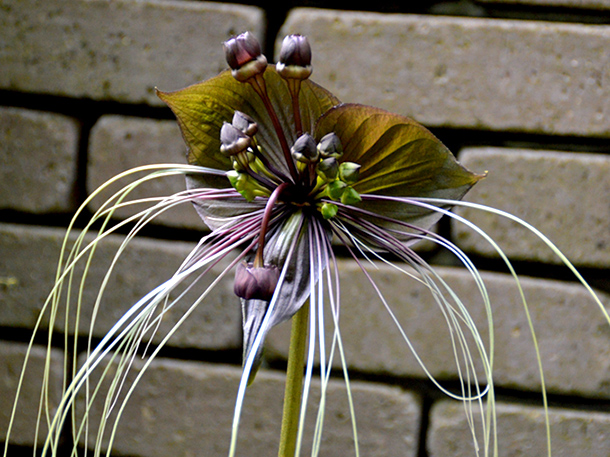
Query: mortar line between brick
{"type": "Point", "coordinates": [424, 423]}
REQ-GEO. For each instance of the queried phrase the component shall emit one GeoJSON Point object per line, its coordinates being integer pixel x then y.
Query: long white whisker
{"type": "Point", "coordinates": [185, 315]}
{"type": "Point", "coordinates": [128, 320]}
{"type": "Point", "coordinates": [64, 272]}
{"type": "Point", "coordinates": [314, 312]}
{"type": "Point", "coordinates": [258, 340]}
{"type": "Point", "coordinates": [337, 341]}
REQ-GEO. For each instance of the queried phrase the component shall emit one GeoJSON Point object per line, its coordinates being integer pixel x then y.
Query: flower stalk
{"type": "Point", "coordinates": [294, 383]}
{"type": "Point", "coordinates": [294, 66]}
{"type": "Point", "coordinates": [248, 64]}
{"type": "Point", "coordinates": [259, 259]}
{"type": "Point", "coordinates": [260, 88]}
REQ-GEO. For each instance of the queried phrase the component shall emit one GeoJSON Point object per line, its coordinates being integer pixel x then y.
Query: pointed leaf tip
{"type": "Point", "coordinates": [398, 157]}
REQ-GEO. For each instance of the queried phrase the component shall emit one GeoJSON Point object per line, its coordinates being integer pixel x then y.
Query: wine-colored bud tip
{"type": "Point", "coordinates": [255, 283]}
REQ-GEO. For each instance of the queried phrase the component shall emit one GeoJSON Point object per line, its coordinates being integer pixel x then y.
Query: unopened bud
{"type": "Point", "coordinates": [349, 172]}
{"type": "Point", "coordinates": [328, 169]}
{"type": "Point", "coordinates": [255, 283]}
{"type": "Point", "coordinates": [335, 189]}
{"type": "Point", "coordinates": [350, 196]}
{"type": "Point", "coordinates": [244, 56]}
{"type": "Point", "coordinates": [295, 58]}
{"type": "Point", "coordinates": [330, 146]}
{"type": "Point", "coordinates": [328, 210]}
{"type": "Point", "coordinates": [245, 123]}
{"type": "Point", "coordinates": [233, 140]}
{"type": "Point", "coordinates": [304, 149]}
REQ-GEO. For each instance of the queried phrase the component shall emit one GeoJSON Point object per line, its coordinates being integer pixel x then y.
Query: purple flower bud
{"type": "Point", "coordinates": [304, 149]}
{"type": "Point", "coordinates": [255, 283]}
{"type": "Point", "coordinates": [295, 51]}
{"type": "Point", "coordinates": [241, 49]}
{"type": "Point", "coordinates": [330, 146]}
{"type": "Point", "coordinates": [232, 140]}
{"type": "Point", "coordinates": [245, 123]}
{"type": "Point", "coordinates": [244, 56]}
{"type": "Point", "coordinates": [328, 169]}
{"type": "Point", "coordinates": [295, 58]}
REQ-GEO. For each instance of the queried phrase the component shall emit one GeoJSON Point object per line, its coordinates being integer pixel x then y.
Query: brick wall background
{"type": "Point", "coordinates": [517, 87]}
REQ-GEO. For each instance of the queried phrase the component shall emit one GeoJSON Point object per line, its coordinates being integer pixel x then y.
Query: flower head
{"type": "Point", "coordinates": [244, 56]}
{"type": "Point", "coordinates": [255, 283]}
{"type": "Point", "coordinates": [330, 169]}
{"type": "Point", "coordinates": [295, 58]}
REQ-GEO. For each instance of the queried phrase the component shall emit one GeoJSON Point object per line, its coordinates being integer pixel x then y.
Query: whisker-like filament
{"type": "Point", "coordinates": [386, 242]}
{"type": "Point", "coordinates": [334, 293]}
{"type": "Point", "coordinates": [258, 341]}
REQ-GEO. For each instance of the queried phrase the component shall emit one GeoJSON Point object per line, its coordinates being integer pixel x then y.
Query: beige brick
{"type": "Point", "coordinates": [38, 151]}
{"type": "Point", "coordinates": [12, 356]}
{"type": "Point", "coordinates": [187, 408]}
{"type": "Point", "coordinates": [564, 195]}
{"type": "Point", "coordinates": [521, 431]}
{"type": "Point", "coordinates": [572, 332]}
{"type": "Point", "coordinates": [30, 256]}
{"type": "Point", "coordinates": [119, 50]}
{"type": "Point", "coordinates": [119, 143]}
{"type": "Point", "coordinates": [464, 72]}
{"type": "Point", "coordinates": [589, 4]}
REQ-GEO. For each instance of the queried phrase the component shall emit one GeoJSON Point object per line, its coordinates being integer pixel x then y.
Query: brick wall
{"type": "Point", "coordinates": [519, 88]}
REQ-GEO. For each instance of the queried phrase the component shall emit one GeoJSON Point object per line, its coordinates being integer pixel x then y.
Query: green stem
{"type": "Point", "coordinates": [294, 383]}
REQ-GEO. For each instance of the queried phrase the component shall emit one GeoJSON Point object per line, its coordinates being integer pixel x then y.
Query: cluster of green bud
{"type": "Point", "coordinates": [340, 188]}
{"type": "Point", "coordinates": [246, 185]}
{"type": "Point", "coordinates": [334, 179]}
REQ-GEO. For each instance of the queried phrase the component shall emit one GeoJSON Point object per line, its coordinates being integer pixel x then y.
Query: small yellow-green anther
{"type": "Point", "coordinates": [349, 172]}
{"type": "Point", "coordinates": [246, 185]}
{"type": "Point", "coordinates": [301, 165]}
{"type": "Point", "coordinates": [350, 196]}
{"type": "Point", "coordinates": [320, 187]}
{"type": "Point", "coordinates": [247, 194]}
{"type": "Point", "coordinates": [328, 210]}
{"type": "Point", "coordinates": [232, 176]}
{"type": "Point", "coordinates": [237, 166]}
{"type": "Point", "coordinates": [335, 189]}
{"type": "Point", "coordinates": [242, 161]}
{"type": "Point", "coordinates": [257, 166]}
